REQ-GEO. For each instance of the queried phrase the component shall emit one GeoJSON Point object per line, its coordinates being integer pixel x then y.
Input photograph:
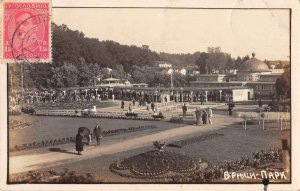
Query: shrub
{"type": "Point", "coordinates": [176, 120]}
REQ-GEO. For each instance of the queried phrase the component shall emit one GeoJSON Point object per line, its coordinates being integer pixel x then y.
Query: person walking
{"type": "Point", "coordinates": [98, 133]}
{"type": "Point", "coordinates": [209, 115]}
{"type": "Point", "coordinates": [197, 113]}
{"type": "Point", "coordinates": [230, 108]}
{"type": "Point", "coordinates": [79, 143]}
{"type": "Point", "coordinates": [184, 110]}
{"type": "Point", "coordinates": [122, 104]}
{"type": "Point", "coordinates": [152, 106]}
{"type": "Point", "coordinates": [204, 117]}
{"type": "Point", "coordinates": [129, 109]}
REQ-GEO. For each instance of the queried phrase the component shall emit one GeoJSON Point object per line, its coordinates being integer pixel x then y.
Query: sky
{"type": "Point", "coordinates": [238, 32]}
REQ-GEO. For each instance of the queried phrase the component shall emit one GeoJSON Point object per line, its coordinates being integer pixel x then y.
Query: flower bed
{"type": "Point", "coordinates": [150, 118]}
{"type": "Point", "coordinates": [156, 165]}
{"type": "Point", "coordinates": [176, 119]}
{"type": "Point", "coordinates": [214, 173]}
{"type": "Point", "coordinates": [51, 176]}
{"type": "Point", "coordinates": [53, 142]}
{"type": "Point", "coordinates": [184, 142]}
{"type": "Point", "coordinates": [14, 124]}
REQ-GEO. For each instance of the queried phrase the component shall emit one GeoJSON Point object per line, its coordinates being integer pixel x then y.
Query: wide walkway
{"type": "Point", "coordinates": [35, 161]}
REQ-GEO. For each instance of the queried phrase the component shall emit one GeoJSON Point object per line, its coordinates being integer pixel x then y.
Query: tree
{"type": "Point", "coordinates": [238, 62]}
{"type": "Point", "coordinates": [283, 84]}
{"type": "Point", "coordinates": [246, 58]}
{"type": "Point", "coordinates": [230, 64]}
{"type": "Point", "coordinates": [118, 72]}
{"type": "Point", "coordinates": [201, 62]}
{"type": "Point", "coordinates": [217, 61]}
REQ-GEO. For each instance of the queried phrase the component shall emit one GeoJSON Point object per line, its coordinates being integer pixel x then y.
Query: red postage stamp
{"type": "Point", "coordinates": [26, 31]}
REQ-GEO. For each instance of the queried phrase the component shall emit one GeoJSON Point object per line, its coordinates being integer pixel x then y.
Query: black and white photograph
{"type": "Point", "coordinates": [152, 95]}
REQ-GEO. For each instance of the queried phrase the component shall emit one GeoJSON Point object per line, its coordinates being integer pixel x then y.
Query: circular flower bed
{"type": "Point", "coordinates": [156, 164]}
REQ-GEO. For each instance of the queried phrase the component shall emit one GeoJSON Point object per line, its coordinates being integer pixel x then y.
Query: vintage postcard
{"type": "Point", "coordinates": [186, 95]}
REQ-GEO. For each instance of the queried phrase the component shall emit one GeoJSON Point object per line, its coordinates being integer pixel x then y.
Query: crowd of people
{"type": "Point", "coordinates": [203, 116]}
{"type": "Point", "coordinates": [140, 97]}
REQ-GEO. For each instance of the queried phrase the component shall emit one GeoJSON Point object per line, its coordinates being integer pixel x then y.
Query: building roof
{"type": "Point", "coordinates": [111, 79]}
{"type": "Point", "coordinates": [254, 65]}
{"type": "Point", "coordinates": [199, 75]}
{"type": "Point", "coordinates": [272, 74]}
{"type": "Point", "coordinates": [232, 82]}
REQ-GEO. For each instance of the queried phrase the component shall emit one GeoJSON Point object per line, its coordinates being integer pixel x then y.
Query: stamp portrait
{"type": "Point", "coordinates": [27, 34]}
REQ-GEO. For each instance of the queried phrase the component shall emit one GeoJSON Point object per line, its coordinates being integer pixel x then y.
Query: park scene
{"type": "Point", "coordinates": [113, 111]}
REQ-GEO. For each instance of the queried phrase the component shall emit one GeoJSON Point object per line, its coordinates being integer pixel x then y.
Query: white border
{"type": "Point", "coordinates": [295, 58]}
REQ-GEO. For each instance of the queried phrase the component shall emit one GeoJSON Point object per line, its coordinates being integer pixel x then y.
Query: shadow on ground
{"type": "Point", "coordinates": [61, 151]}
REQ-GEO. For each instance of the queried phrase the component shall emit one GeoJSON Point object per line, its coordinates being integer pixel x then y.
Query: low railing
{"type": "Point", "coordinates": [100, 114]}
{"type": "Point", "coordinates": [272, 116]}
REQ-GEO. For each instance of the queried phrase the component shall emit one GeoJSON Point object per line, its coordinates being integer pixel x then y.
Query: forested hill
{"type": "Point", "coordinates": [182, 60]}
{"type": "Point", "coordinates": [77, 60]}
{"type": "Point", "coordinates": [72, 46]}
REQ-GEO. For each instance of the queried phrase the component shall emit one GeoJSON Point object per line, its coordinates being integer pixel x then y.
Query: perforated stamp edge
{"type": "Point", "coordinates": [41, 60]}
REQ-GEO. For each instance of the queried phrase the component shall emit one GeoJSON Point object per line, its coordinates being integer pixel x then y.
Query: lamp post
{"type": "Point", "coordinates": [230, 105]}
{"type": "Point", "coordinates": [156, 94]}
{"type": "Point", "coordinates": [181, 92]}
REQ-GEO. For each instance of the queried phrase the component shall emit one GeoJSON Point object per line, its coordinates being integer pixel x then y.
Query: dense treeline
{"type": "Point", "coordinates": [283, 84]}
{"type": "Point", "coordinates": [77, 60]}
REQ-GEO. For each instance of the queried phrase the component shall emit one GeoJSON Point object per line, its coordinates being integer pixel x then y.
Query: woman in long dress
{"type": "Point", "coordinates": [79, 144]}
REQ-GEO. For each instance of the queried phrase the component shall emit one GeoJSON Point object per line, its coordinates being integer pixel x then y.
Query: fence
{"type": "Point", "coordinates": [269, 116]}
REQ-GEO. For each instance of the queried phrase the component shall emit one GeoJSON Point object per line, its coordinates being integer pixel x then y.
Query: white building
{"type": "Point", "coordinates": [254, 74]}
{"type": "Point", "coordinates": [163, 64]}
{"type": "Point", "coordinates": [115, 82]}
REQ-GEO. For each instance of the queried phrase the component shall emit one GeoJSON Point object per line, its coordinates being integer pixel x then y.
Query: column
{"type": "Point", "coordinates": [220, 91]}
{"type": "Point", "coordinates": [206, 96]}
{"type": "Point", "coordinates": [75, 95]}
{"type": "Point", "coordinates": [96, 93]}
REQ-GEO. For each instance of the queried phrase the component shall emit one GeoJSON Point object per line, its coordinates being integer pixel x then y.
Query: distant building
{"type": "Point", "coordinates": [182, 71]}
{"type": "Point", "coordinates": [163, 64]}
{"type": "Point", "coordinates": [254, 74]}
{"type": "Point", "coordinates": [195, 72]}
{"type": "Point", "coordinates": [175, 70]}
{"type": "Point", "coordinates": [115, 82]}
{"type": "Point", "coordinates": [170, 71]}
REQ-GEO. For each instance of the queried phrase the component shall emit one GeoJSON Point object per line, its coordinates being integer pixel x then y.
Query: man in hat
{"type": "Point", "coordinates": [98, 133]}
{"type": "Point", "coordinates": [184, 110]}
